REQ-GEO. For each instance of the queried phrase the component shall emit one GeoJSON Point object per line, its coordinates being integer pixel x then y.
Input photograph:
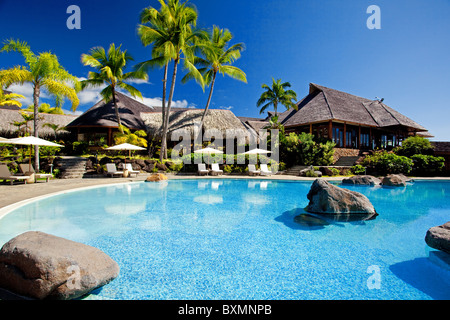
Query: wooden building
{"type": "Point", "coordinates": [348, 120]}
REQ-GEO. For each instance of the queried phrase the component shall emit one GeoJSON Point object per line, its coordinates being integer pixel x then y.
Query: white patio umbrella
{"type": "Point", "coordinates": [3, 140]}
{"type": "Point", "coordinates": [257, 151]}
{"type": "Point", "coordinates": [126, 146]}
{"type": "Point", "coordinates": [32, 141]}
{"type": "Point", "coordinates": [208, 151]}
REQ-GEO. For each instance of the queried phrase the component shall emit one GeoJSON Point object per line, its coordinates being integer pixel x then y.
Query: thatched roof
{"type": "Point", "coordinates": [222, 120]}
{"type": "Point", "coordinates": [7, 117]}
{"type": "Point", "coordinates": [323, 104]}
{"type": "Point", "coordinates": [104, 115]}
{"type": "Point", "coordinates": [441, 146]}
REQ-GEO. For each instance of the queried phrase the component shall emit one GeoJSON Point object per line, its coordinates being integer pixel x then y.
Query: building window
{"type": "Point", "coordinates": [365, 140]}
{"type": "Point", "coordinates": [338, 137]}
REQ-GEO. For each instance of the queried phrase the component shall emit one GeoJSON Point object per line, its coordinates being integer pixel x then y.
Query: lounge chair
{"type": "Point", "coordinates": [252, 170]}
{"type": "Point", "coordinates": [129, 167]}
{"type": "Point", "coordinates": [264, 170]}
{"type": "Point", "coordinates": [215, 169]}
{"type": "Point", "coordinates": [5, 174]}
{"type": "Point", "coordinates": [111, 170]}
{"type": "Point", "coordinates": [26, 168]}
{"type": "Point", "coordinates": [202, 171]}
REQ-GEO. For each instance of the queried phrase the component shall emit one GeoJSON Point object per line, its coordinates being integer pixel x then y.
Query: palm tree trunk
{"type": "Point", "coordinates": [116, 108]}
{"type": "Point", "coordinates": [169, 104]}
{"type": "Point", "coordinates": [36, 93]}
{"type": "Point", "coordinates": [275, 105]}
{"type": "Point", "coordinates": [161, 154]}
{"type": "Point", "coordinates": [207, 104]}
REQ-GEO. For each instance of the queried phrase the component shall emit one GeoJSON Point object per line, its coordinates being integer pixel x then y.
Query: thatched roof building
{"type": "Point", "coordinates": [100, 121]}
{"type": "Point", "coordinates": [8, 117]}
{"type": "Point", "coordinates": [350, 121]}
{"type": "Point", "coordinates": [216, 119]}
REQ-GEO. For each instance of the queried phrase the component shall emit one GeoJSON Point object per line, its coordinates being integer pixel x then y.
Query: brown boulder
{"type": "Point", "coordinates": [439, 237]}
{"type": "Point", "coordinates": [362, 180]}
{"type": "Point", "coordinates": [329, 199]}
{"type": "Point", "coordinates": [156, 177]}
{"type": "Point", "coordinates": [395, 180]}
{"type": "Point", "coordinates": [42, 266]}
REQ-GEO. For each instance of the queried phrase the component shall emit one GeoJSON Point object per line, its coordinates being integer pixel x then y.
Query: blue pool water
{"type": "Point", "coordinates": [236, 239]}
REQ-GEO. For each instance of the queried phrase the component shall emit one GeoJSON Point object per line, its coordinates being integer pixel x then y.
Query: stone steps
{"type": "Point", "coordinates": [72, 167]}
{"type": "Point", "coordinates": [294, 171]}
{"type": "Point", "coordinates": [346, 161]}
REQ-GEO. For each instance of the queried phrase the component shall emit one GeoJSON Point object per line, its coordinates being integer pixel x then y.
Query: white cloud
{"type": "Point", "coordinates": [138, 81]}
{"type": "Point", "coordinates": [226, 108]}
{"type": "Point", "coordinates": [26, 90]}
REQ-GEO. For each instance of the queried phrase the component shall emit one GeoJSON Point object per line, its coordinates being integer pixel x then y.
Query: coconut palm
{"type": "Point", "coordinates": [136, 138]}
{"type": "Point", "coordinates": [45, 108]}
{"type": "Point", "coordinates": [110, 68]}
{"type": "Point", "coordinates": [171, 32]}
{"type": "Point", "coordinates": [10, 99]}
{"type": "Point", "coordinates": [43, 71]}
{"type": "Point", "coordinates": [216, 58]}
{"type": "Point", "coordinates": [277, 95]}
{"type": "Point", "coordinates": [56, 128]}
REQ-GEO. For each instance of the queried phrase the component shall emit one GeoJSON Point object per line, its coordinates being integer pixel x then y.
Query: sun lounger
{"type": "Point", "coordinates": [25, 168]}
{"type": "Point", "coordinates": [129, 167]}
{"type": "Point", "coordinates": [252, 170]}
{"type": "Point", "coordinates": [215, 169]}
{"type": "Point", "coordinates": [5, 174]}
{"type": "Point", "coordinates": [202, 169]}
{"type": "Point", "coordinates": [111, 170]}
{"type": "Point", "coordinates": [264, 170]}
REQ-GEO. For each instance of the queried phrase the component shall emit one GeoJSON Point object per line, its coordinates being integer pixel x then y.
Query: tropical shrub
{"type": "Point", "coordinates": [427, 164]}
{"type": "Point", "coordinates": [302, 149]}
{"type": "Point", "coordinates": [414, 145]}
{"type": "Point", "coordinates": [358, 169]}
{"type": "Point", "coordinates": [387, 162]}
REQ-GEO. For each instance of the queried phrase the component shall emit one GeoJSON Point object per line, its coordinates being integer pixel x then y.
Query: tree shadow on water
{"type": "Point", "coordinates": [425, 275]}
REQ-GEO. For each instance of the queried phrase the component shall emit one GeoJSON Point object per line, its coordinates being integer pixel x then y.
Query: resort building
{"type": "Point", "coordinates": [348, 120]}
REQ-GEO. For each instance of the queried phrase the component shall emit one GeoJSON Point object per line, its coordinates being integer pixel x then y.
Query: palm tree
{"type": "Point", "coordinates": [45, 108]}
{"type": "Point", "coordinates": [56, 128]}
{"type": "Point", "coordinates": [10, 99]}
{"type": "Point", "coordinates": [137, 138]}
{"type": "Point", "coordinates": [43, 71]}
{"type": "Point", "coordinates": [171, 31]}
{"type": "Point", "coordinates": [277, 95]}
{"type": "Point", "coordinates": [110, 71]}
{"type": "Point", "coordinates": [216, 58]}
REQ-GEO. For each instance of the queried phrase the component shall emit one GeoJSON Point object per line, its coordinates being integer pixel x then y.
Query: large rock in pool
{"type": "Point", "coordinates": [439, 237]}
{"type": "Point", "coordinates": [42, 266]}
{"type": "Point", "coordinates": [395, 180]}
{"type": "Point", "coordinates": [156, 177]}
{"type": "Point", "coordinates": [362, 180]}
{"type": "Point", "coordinates": [329, 199]}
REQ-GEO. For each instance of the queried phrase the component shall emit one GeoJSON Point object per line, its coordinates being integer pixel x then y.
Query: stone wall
{"type": "Point", "coordinates": [345, 152]}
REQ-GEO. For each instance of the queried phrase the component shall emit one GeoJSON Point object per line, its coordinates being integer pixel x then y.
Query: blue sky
{"type": "Point", "coordinates": [326, 42]}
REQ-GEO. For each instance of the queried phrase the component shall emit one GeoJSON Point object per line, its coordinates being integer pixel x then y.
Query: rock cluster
{"type": "Point", "coordinates": [41, 266]}
{"type": "Point", "coordinates": [392, 180]}
{"type": "Point", "coordinates": [156, 177]}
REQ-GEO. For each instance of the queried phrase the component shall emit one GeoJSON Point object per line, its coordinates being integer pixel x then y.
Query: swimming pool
{"type": "Point", "coordinates": [236, 239]}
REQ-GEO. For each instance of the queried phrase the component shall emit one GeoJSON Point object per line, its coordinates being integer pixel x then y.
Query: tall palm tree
{"type": "Point", "coordinates": [171, 31]}
{"type": "Point", "coordinates": [10, 99]}
{"type": "Point", "coordinates": [216, 58]}
{"type": "Point", "coordinates": [43, 71]}
{"type": "Point", "coordinates": [277, 95]}
{"type": "Point", "coordinates": [110, 71]}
